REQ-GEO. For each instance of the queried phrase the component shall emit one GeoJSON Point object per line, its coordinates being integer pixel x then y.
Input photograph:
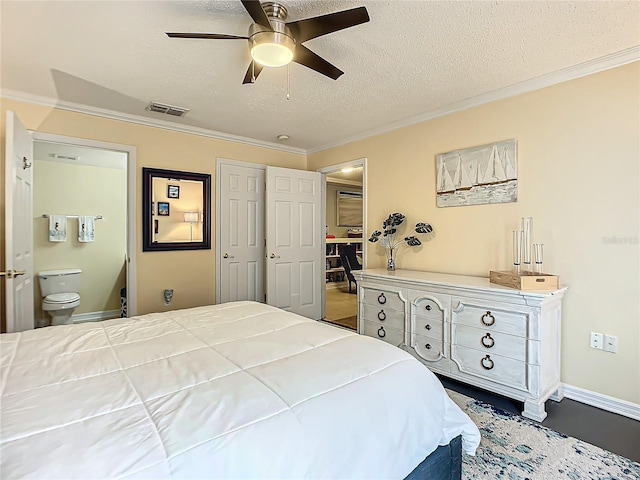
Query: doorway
{"type": "Point", "coordinates": [77, 177]}
{"type": "Point", "coordinates": [345, 214]}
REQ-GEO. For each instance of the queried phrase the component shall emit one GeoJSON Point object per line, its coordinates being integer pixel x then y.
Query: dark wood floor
{"type": "Point", "coordinates": [612, 432]}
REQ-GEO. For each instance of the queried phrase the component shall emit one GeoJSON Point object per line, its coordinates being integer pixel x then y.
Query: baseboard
{"type": "Point", "coordinates": [603, 402]}
{"type": "Point", "coordinates": [95, 316]}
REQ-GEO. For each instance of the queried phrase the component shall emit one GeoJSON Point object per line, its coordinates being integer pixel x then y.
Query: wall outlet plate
{"type": "Point", "coordinates": [610, 343]}
{"type": "Point", "coordinates": [596, 340]}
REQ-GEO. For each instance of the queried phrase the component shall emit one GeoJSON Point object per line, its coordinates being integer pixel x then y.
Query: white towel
{"type": "Point", "coordinates": [57, 228]}
{"type": "Point", "coordinates": [85, 228]}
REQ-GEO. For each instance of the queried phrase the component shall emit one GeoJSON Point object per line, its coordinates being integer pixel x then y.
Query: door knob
{"type": "Point", "coordinates": [273, 255]}
{"type": "Point", "coordinates": [226, 255]}
{"type": "Point", "coordinates": [12, 273]}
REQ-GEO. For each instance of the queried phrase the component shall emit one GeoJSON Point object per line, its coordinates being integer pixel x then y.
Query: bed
{"type": "Point", "coordinates": [237, 390]}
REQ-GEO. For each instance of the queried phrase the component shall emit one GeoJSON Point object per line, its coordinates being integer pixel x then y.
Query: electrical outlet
{"type": "Point", "coordinates": [168, 295]}
{"type": "Point", "coordinates": [596, 340]}
{"type": "Point", "coordinates": [610, 343]}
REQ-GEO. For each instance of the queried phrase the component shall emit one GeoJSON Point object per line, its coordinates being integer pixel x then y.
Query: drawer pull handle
{"type": "Point", "coordinates": [427, 326]}
{"type": "Point", "coordinates": [488, 341]}
{"type": "Point", "coordinates": [486, 362]}
{"type": "Point", "coordinates": [428, 307]}
{"type": "Point", "coordinates": [490, 319]}
{"type": "Point", "coordinates": [382, 299]}
{"type": "Point", "coordinates": [428, 346]}
{"type": "Point", "coordinates": [382, 316]}
{"type": "Point", "coordinates": [381, 332]}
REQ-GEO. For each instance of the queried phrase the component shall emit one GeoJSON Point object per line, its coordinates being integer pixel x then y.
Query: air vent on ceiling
{"type": "Point", "coordinates": [167, 109]}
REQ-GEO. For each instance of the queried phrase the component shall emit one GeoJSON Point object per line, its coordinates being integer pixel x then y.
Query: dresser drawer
{"type": "Point", "coordinates": [430, 327]}
{"type": "Point", "coordinates": [383, 315]}
{"type": "Point", "coordinates": [491, 319]}
{"type": "Point", "coordinates": [428, 348]}
{"type": "Point", "coordinates": [384, 332]}
{"type": "Point", "coordinates": [490, 342]}
{"type": "Point", "coordinates": [375, 296]}
{"type": "Point", "coordinates": [427, 307]}
{"type": "Point", "coordinates": [492, 367]}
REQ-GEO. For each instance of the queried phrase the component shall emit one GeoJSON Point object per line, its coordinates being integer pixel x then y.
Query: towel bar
{"type": "Point", "coordinates": [97, 217]}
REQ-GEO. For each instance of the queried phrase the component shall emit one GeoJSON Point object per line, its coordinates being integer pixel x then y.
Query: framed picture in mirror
{"type": "Point", "coordinates": [163, 209]}
{"type": "Point", "coordinates": [173, 191]}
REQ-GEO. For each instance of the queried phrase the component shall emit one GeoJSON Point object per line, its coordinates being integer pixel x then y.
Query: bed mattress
{"type": "Point", "coordinates": [237, 390]}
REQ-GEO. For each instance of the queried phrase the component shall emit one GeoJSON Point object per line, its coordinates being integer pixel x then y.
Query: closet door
{"type": "Point", "coordinates": [294, 233]}
{"type": "Point", "coordinates": [241, 233]}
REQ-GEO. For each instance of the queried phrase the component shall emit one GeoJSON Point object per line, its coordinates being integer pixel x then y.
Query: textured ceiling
{"type": "Point", "coordinates": [412, 57]}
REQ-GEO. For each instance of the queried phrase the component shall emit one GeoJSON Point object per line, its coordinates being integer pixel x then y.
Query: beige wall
{"type": "Point", "coordinates": [578, 176]}
{"type": "Point", "coordinates": [65, 189]}
{"type": "Point", "coordinates": [190, 273]}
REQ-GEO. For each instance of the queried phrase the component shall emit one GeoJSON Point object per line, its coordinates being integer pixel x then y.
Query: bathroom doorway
{"type": "Point", "coordinates": [82, 178]}
{"type": "Point", "coordinates": [345, 211]}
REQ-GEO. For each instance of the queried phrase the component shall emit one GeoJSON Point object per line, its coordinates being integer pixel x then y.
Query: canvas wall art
{"type": "Point", "coordinates": [477, 175]}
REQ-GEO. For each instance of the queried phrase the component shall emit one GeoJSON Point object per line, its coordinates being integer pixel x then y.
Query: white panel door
{"type": "Point", "coordinates": [18, 226]}
{"type": "Point", "coordinates": [241, 250]}
{"type": "Point", "coordinates": [294, 232]}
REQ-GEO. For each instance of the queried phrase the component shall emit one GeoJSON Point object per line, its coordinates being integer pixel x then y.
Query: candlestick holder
{"type": "Point", "coordinates": [517, 249]}
{"type": "Point", "coordinates": [537, 256]}
{"type": "Point", "coordinates": [527, 224]}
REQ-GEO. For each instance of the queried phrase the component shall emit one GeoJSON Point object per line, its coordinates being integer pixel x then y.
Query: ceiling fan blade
{"type": "Point", "coordinates": [215, 36]}
{"type": "Point", "coordinates": [254, 9]}
{"type": "Point", "coordinates": [252, 72]}
{"type": "Point", "coordinates": [306, 57]}
{"type": "Point", "coordinates": [309, 28]}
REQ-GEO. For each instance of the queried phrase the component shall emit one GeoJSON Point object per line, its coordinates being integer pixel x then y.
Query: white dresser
{"type": "Point", "coordinates": [500, 339]}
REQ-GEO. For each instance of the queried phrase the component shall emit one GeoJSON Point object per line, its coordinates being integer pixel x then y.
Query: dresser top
{"type": "Point", "coordinates": [450, 280]}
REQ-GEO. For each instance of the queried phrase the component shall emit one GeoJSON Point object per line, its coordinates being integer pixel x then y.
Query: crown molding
{"type": "Point", "coordinates": [149, 122]}
{"type": "Point", "coordinates": [607, 62]}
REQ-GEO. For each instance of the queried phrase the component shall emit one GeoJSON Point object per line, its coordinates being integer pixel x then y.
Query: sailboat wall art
{"type": "Point", "coordinates": [477, 175]}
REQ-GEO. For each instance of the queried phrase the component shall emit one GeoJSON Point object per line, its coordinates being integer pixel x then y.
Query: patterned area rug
{"type": "Point", "coordinates": [515, 448]}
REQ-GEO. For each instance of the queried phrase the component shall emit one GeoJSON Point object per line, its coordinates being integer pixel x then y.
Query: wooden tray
{"type": "Point", "coordinates": [525, 280]}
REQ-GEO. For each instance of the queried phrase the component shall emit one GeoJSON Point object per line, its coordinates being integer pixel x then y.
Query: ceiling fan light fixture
{"type": "Point", "coordinates": [272, 49]}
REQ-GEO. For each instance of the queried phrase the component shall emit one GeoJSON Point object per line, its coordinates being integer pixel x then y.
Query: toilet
{"type": "Point", "coordinates": [60, 297]}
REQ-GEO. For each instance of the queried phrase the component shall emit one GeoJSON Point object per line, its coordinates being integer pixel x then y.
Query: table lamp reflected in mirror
{"type": "Point", "coordinates": [191, 218]}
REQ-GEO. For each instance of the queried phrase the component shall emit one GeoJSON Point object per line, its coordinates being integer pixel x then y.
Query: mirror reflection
{"type": "Point", "coordinates": [176, 212]}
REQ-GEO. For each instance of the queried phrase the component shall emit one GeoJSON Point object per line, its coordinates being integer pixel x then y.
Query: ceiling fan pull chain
{"type": "Point", "coordinates": [288, 81]}
{"type": "Point", "coordinates": [253, 71]}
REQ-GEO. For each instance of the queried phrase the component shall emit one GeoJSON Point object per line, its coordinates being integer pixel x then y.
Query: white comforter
{"type": "Point", "coordinates": [239, 390]}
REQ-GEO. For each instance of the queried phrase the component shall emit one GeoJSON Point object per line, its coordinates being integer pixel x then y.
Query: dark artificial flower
{"type": "Point", "coordinates": [412, 241]}
{"type": "Point", "coordinates": [423, 228]}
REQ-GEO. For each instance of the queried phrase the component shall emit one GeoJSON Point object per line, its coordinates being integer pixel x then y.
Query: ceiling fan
{"type": "Point", "coordinates": [274, 42]}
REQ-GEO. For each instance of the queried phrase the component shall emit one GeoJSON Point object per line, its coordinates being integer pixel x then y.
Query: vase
{"type": "Point", "coordinates": [391, 264]}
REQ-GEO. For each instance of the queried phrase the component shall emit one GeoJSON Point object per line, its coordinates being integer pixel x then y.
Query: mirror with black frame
{"type": "Point", "coordinates": [176, 212]}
